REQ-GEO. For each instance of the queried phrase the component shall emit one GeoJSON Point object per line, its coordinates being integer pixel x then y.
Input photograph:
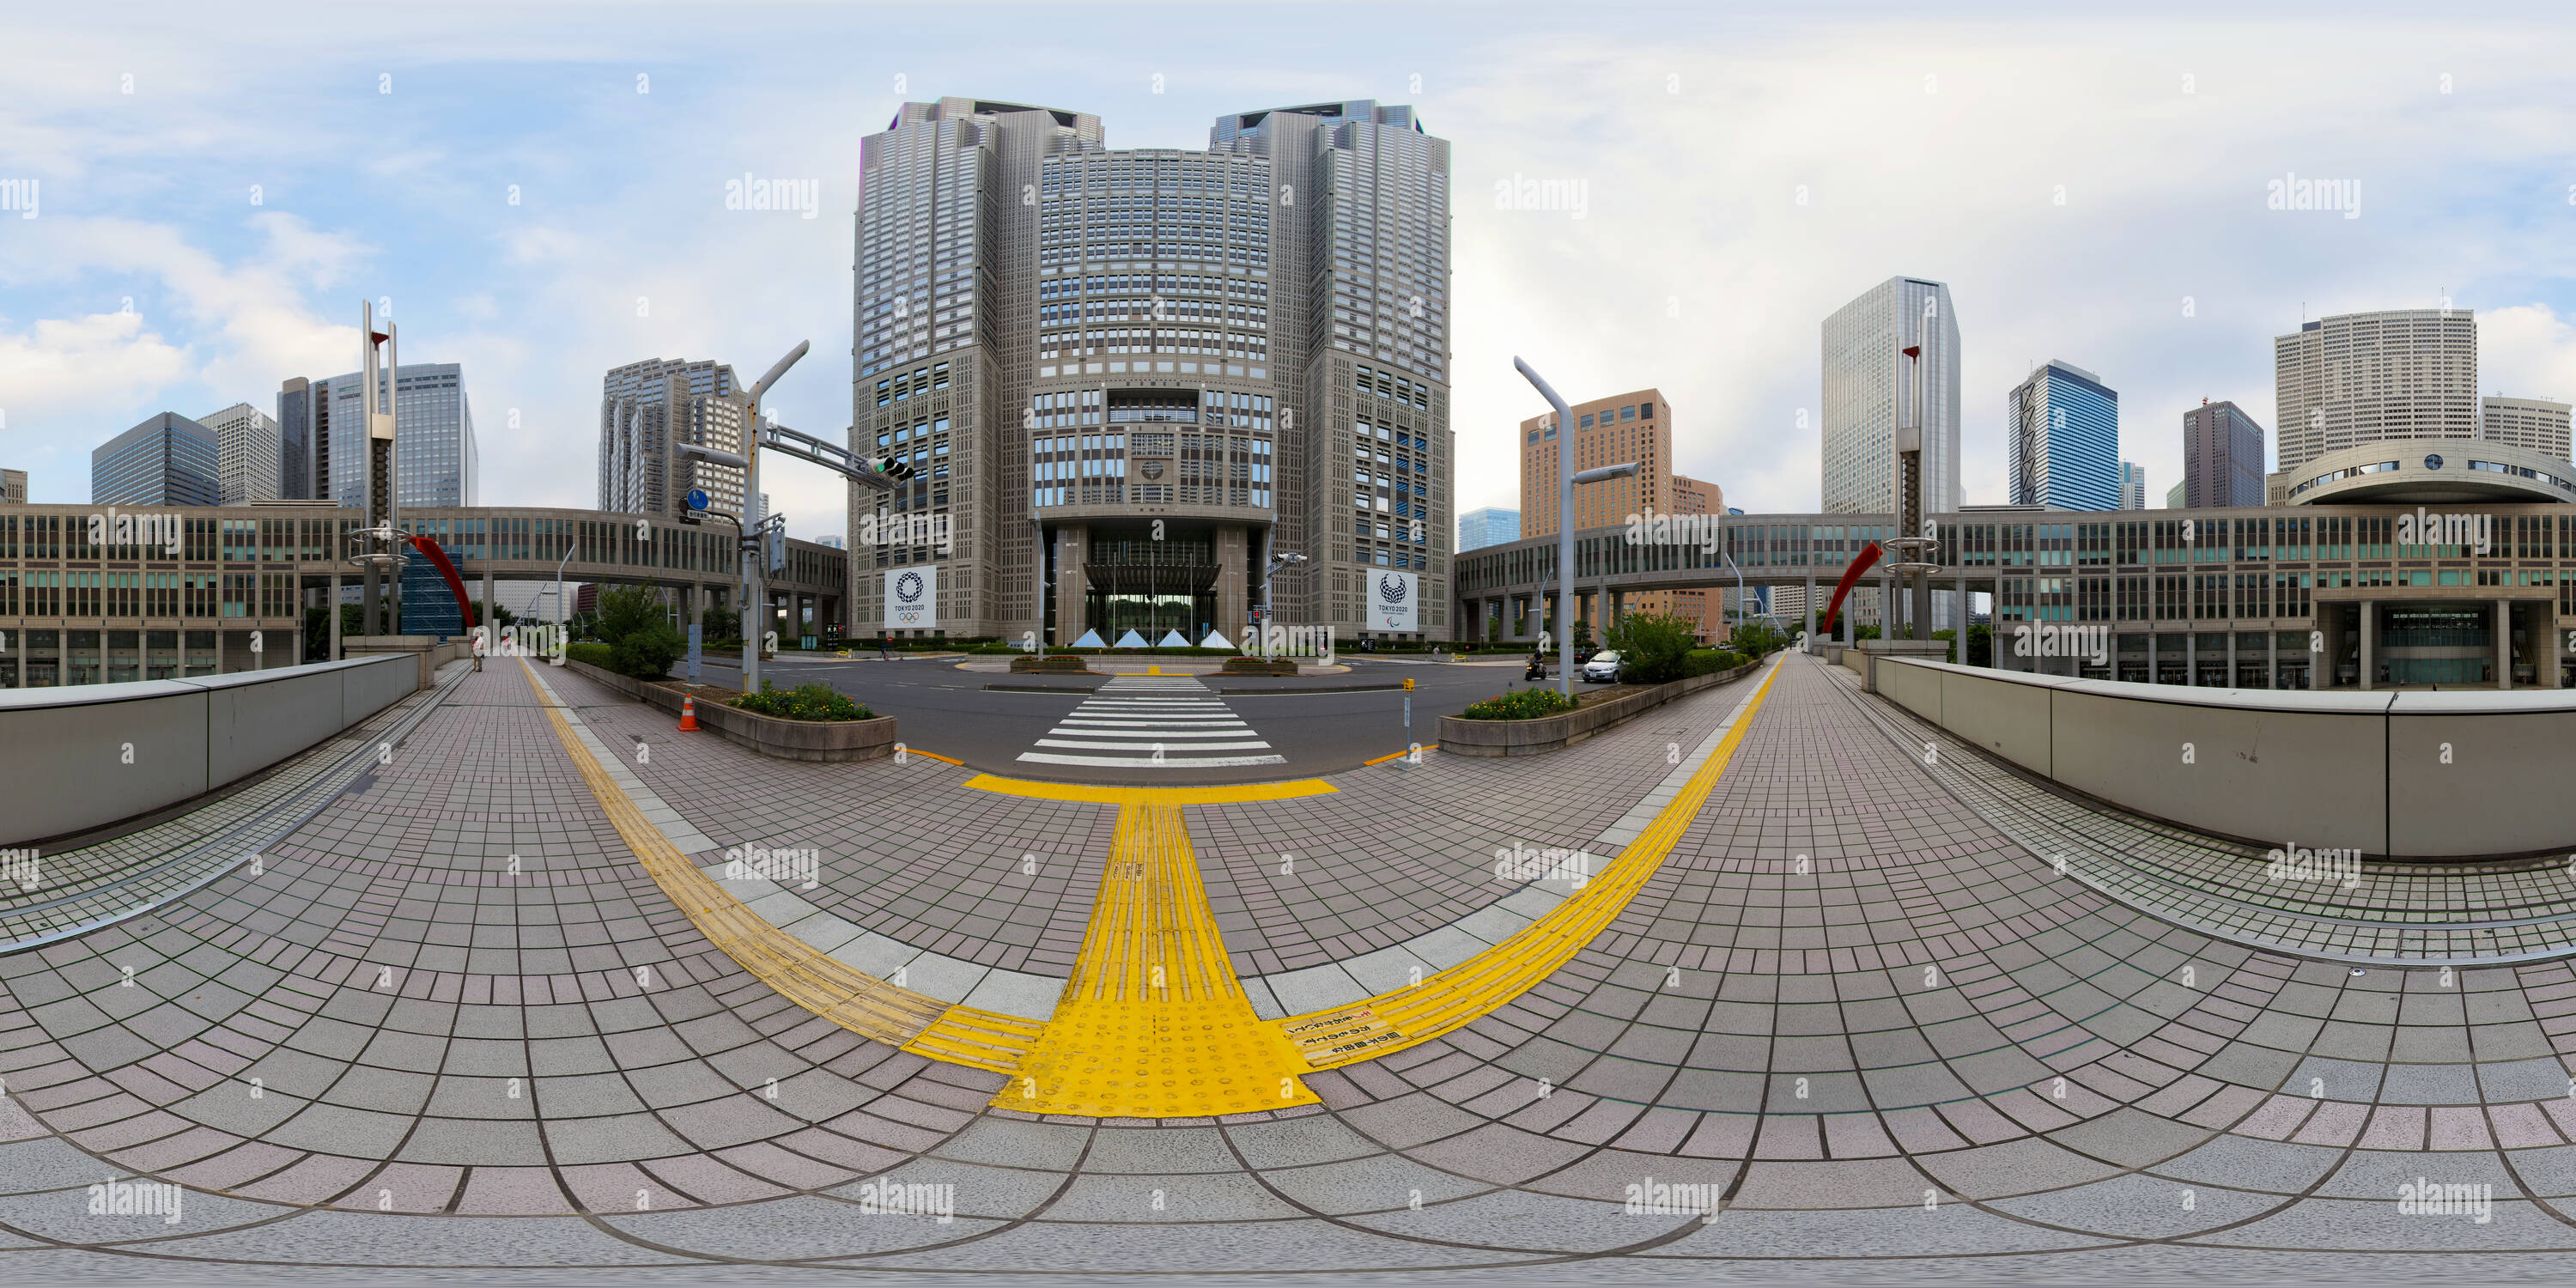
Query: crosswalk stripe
{"type": "Point", "coordinates": [1129, 746]}
{"type": "Point", "coordinates": [1167, 762]}
{"type": "Point", "coordinates": [1131, 713]}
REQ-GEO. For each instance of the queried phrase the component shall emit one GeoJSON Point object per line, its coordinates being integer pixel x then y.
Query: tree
{"type": "Point", "coordinates": [1651, 646]}
{"type": "Point", "coordinates": [1582, 634]}
{"type": "Point", "coordinates": [490, 614]}
{"type": "Point", "coordinates": [634, 625]}
{"type": "Point", "coordinates": [1756, 639]}
{"type": "Point", "coordinates": [317, 630]}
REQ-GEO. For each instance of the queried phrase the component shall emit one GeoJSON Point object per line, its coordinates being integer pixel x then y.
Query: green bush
{"type": "Point", "coordinates": [597, 655]}
{"type": "Point", "coordinates": [647, 652]}
{"type": "Point", "coordinates": [1520, 704]}
{"type": "Point", "coordinates": [816, 701]}
{"type": "Point", "coordinates": [1710, 661]}
{"type": "Point", "coordinates": [1757, 638]}
{"type": "Point", "coordinates": [1651, 646]}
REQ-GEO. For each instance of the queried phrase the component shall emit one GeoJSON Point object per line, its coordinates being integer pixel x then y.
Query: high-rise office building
{"type": "Point", "coordinates": [2359, 378]}
{"type": "Point", "coordinates": [2173, 497]}
{"type": "Point", "coordinates": [247, 461]}
{"type": "Point", "coordinates": [13, 487]}
{"type": "Point", "coordinates": [2133, 486]}
{"type": "Point", "coordinates": [1128, 375]}
{"type": "Point", "coordinates": [1490, 526]}
{"type": "Point", "coordinates": [1634, 427]}
{"type": "Point", "coordinates": [646, 411]}
{"type": "Point", "coordinates": [167, 460]}
{"type": "Point", "coordinates": [2062, 439]}
{"type": "Point", "coordinates": [1869, 391]}
{"type": "Point", "coordinates": [2535, 423]}
{"type": "Point", "coordinates": [303, 469]}
{"type": "Point", "coordinates": [435, 461]}
{"type": "Point", "coordinates": [2222, 457]}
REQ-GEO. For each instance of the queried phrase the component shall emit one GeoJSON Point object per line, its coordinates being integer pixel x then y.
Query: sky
{"type": "Point", "coordinates": [538, 192]}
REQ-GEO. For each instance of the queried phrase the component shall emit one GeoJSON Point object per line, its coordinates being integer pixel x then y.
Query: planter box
{"type": "Point", "coordinates": [823, 740]}
{"type": "Point", "coordinates": [1051, 665]}
{"type": "Point", "coordinates": [1260, 666]}
{"type": "Point", "coordinates": [1556, 733]}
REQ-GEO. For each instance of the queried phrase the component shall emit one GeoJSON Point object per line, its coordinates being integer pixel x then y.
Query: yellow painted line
{"type": "Point", "coordinates": [1393, 755]}
{"type": "Point", "coordinates": [1153, 1023]}
{"type": "Point", "coordinates": [1455, 997]}
{"type": "Point", "coordinates": [853, 999]}
{"type": "Point", "coordinates": [951, 760]}
{"type": "Point", "coordinates": [1234, 794]}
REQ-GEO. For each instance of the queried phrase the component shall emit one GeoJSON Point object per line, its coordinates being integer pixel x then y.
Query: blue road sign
{"type": "Point", "coordinates": [697, 498]}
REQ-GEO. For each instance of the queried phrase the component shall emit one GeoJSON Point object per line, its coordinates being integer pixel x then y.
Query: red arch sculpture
{"type": "Point", "coordinates": [438, 558]}
{"type": "Point", "coordinates": [1851, 577]}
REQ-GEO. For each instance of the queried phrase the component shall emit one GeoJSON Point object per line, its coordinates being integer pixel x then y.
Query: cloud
{"type": "Point", "coordinates": [57, 368]}
{"type": "Point", "coordinates": [2527, 351]}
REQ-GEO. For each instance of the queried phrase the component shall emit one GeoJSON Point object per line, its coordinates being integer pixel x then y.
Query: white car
{"type": "Point", "coordinates": [1602, 669]}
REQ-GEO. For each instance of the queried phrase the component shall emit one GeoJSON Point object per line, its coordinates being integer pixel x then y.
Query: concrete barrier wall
{"type": "Point", "coordinates": [81, 757]}
{"type": "Point", "coordinates": [2481, 773]}
{"type": "Point", "coordinates": [2009, 720]}
{"type": "Point", "coordinates": [2319, 770]}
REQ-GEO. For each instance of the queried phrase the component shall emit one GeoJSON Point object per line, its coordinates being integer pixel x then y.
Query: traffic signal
{"type": "Point", "coordinates": [894, 467]}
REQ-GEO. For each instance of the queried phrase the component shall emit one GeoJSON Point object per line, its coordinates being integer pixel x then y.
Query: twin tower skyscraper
{"type": "Point", "coordinates": [1130, 378]}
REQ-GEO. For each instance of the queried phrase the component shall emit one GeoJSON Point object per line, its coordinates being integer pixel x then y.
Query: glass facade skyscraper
{"type": "Point", "coordinates": [1869, 391]}
{"type": "Point", "coordinates": [2062, 439]}
{"type": "Point", "coordinates": [1491, 526]}
{"type": "Point", "coordinates": [2222, 457]}
{"type": "Point", "coordinates": [167, 460]}
{"type": "Point", "coordinates": [434, 454]}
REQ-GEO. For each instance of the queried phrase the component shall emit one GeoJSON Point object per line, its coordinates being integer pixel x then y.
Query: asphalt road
{"type": "Point", "coordinates": [1311, 723]}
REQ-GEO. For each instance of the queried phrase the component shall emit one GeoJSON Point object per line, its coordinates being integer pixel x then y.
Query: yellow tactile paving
{"type": "Point", "coordinates": [1453, 998]}
{"type": "Point", "coordinates": [1153, 1023]}
{"type": "Point", "coordinates": [851, 998]}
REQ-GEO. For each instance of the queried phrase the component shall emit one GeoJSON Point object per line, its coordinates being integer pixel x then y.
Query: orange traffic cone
{"type": "Point", "coordinates": [688, 713]}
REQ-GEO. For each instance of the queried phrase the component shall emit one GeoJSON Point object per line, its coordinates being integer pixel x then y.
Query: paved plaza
{"type": "Point", "coordinates": [1756, 990]}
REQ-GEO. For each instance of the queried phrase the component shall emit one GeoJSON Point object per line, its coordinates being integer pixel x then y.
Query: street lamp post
{"type": "Point", "coordinates": [755, 561]}
{"type": "Point", "coordinates": [1564, 525]}
{"type": "Point", "coordinates": [1270, 573]}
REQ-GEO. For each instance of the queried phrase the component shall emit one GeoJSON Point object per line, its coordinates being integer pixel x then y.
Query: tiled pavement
{"type": "Point", "coordinates": [1889, 1040]}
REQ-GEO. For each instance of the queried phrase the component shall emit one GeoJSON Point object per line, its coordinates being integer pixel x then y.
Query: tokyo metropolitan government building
{"type": "Point", "coordinates": [1127, 378]}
